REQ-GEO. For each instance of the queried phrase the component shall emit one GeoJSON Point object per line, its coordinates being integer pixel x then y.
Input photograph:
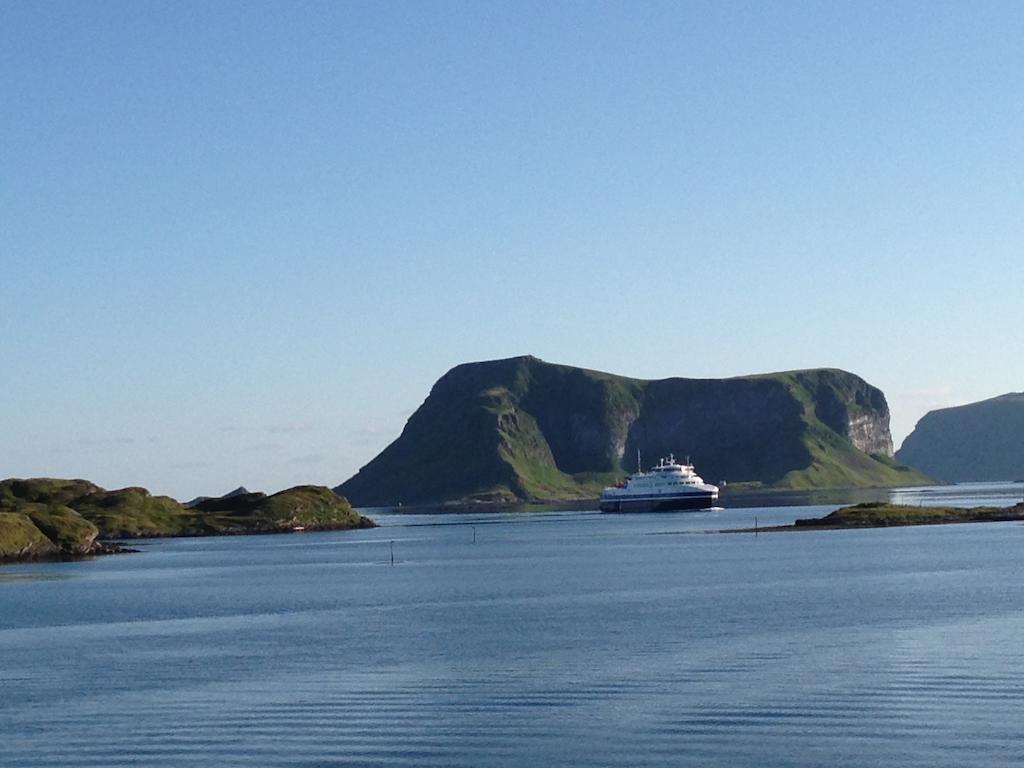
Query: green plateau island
{"type": "Point", "coordinates": [975, 442]}
{"type": "Point", "coordinates": [46, 518]}
{"type": "Point", "coordinates": [523, 430]}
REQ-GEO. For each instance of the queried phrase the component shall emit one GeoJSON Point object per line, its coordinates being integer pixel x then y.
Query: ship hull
{"type": "Point", "coordinates": [660, 504]}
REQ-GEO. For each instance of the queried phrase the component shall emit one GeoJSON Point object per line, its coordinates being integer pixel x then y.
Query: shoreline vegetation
{"type": "Point", "coordinates": [883, 515]}
{"type": "Point", "coordinates": [53, 519]}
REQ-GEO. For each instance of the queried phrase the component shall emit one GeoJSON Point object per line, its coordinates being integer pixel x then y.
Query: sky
{"type": "Point", "coordinates": [240, 241]}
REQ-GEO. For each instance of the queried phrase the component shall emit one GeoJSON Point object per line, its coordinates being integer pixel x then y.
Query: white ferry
{"type": "Point", "coordinates": [667, 487]}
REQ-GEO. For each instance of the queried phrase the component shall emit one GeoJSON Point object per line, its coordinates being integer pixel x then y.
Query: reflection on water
{"type": "Point", "coordinates": [17, 575]}
{"type": "Point", "coordinates": [1001, 494]}
{"type": "Point", "coordinates": [552, 639]}
{"type": "Point", "coordinates": [961, 495]}
{"type": "Point", "coordinates": [770, 498]}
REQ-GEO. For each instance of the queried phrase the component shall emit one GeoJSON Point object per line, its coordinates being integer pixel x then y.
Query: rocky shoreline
{"type": "Point", "coordinates": [883, 515]}
{"type": "Point", "coordinates": [50, 519]}
{"type": "Point", "coordinates": [100, 548]}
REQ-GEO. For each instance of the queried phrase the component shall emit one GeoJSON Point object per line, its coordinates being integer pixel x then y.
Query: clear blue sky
{"type": "Point", "coordinates": [240, 241]}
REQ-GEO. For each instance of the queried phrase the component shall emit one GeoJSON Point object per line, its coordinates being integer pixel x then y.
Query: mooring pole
{"type": "Point", "coordinates": [474, 534]}
{"type": "Point", "coordinates": [392, 553]}
{"type": "Point", "coordinates": [755, 526]}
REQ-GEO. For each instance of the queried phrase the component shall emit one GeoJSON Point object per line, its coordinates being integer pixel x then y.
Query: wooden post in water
{"type": "Point", "coordinates": [474, 534]}
{"type": "Point", "coordinates": [755, 526]}
{"type": "Point", "coordinates": [392, 553]}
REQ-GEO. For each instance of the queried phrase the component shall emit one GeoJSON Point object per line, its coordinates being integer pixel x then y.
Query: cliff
{"type": "Point", "coordinates": [979, 441]}
{"type": "Point", "coordinates": [524, 429]}
{"type": "Point", "coordinates": [46, 518]}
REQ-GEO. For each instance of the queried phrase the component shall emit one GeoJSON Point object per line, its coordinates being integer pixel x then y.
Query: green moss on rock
{"type": "Point", "coordinates": [308, 507]}
{"type": "Point", "coordinates": [134, 513]}
{"type": "Point", "coordinates": [68, 530]}
{"type": "Point", "coordinates": [43, 490]}
{"type": "Point", "coordinates": [20, 539]}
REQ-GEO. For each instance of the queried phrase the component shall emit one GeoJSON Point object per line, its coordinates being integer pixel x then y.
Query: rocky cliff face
{"type": "Point", "coordinates": [869, 432]}
{"type": "Point", "coordinates": [975, 442]}
{"type": "Point", "coordinates": [525, 429]}
{"type": "Point", "coordinates": [851, 407]}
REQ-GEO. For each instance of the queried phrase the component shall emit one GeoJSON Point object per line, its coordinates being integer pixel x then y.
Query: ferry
{"type": "Point", "coordinates": [667, 487]}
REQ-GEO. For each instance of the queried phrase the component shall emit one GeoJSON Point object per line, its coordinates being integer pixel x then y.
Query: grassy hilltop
{"type": "Point", "coordinates": [523, 429]}
{"type": "Point", "coordinates": [45, 517]}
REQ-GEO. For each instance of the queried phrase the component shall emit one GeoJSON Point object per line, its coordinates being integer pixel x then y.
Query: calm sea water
{"type": "Point", "coordinates": [554, 639]}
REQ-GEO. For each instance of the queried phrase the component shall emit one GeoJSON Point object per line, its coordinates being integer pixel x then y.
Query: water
{"type": "Point", "coordinates": [557, 639]}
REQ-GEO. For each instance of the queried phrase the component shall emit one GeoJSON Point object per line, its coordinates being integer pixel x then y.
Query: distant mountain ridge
{"type": "Point", "coordinates": [974, 442]}
{"type": "Point", "coordinates": [524, 429]}
{"type": "Point", "coordinates": [239, 491]}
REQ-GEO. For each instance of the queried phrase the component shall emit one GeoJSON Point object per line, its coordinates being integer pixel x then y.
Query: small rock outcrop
{"type": "Point", "coordinates": [20, 539]}
{"type": "Point", "coordinates": [72, 533]}
{"type": "Point", "coordinates": [33, 527]}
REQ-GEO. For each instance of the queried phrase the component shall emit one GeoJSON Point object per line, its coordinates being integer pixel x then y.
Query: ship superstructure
{"type": "Point", "coordinates": [669, 486]}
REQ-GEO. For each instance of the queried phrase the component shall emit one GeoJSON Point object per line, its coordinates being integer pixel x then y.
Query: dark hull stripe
{"type": "Point", "coordinates": [655, 504]}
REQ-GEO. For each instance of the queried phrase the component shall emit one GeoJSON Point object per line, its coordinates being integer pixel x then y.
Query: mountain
{"type": "Point", "coordinates": [979, 441]}
{"type": "Point", "coordinates": [46, 517]}
{"type": "Point", "coordinates": [523, 429]}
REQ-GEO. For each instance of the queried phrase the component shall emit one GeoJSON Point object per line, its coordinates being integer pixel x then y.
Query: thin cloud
{"type": "Point", "coordinates": [263, 447]}
{"type": "Point", "coordinates": [308, 459]}
{"type": "Point", "coordinates": [926, 393]}
{"type": "Point", "coordinates": [370, 435]}
{"type": "Point", "coordinates": [286, 428]}
{"type": "Point", "coordinates": [93, 442]}
{"type": "Point", "coordinates": [191, 465]}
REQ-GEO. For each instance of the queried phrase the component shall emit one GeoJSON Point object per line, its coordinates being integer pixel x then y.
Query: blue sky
{"type": "Point", "coordinates": [239, 242]}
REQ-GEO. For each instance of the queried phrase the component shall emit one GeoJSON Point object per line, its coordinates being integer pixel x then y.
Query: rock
{"type": "Point", "coordinates": [72, 533]}
{"type": "Point", "coordinates": [20, 539]}
{"type": "Point", "coordinates": [523, 429]}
